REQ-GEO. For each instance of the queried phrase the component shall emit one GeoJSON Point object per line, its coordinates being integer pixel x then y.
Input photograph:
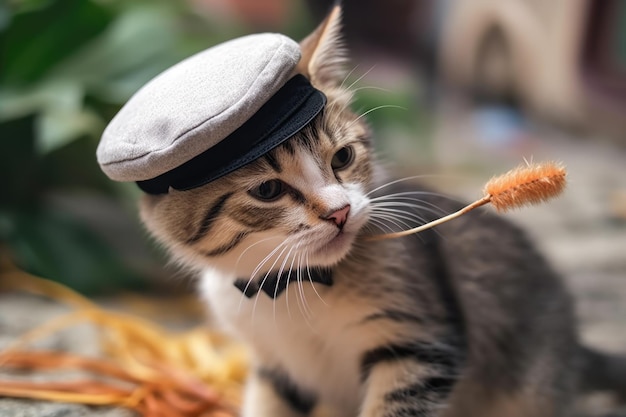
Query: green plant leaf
{"type": "Point", "coordinates": [37, 40]}
{"type": "Point", "coordinates": [57, 128]}
{"type": "Point", "coordinates": [74, 166]}
{"type": "Point", "coordinates": [5, 16]}
{"type": "Point", "coordinates": [62, 115]}
{"type": "Point", "coordinates": [19, 167]}
{"type": "Point", "coordinates": [142, 42]}
{"type": "Point", "coordinates": [55, 246]}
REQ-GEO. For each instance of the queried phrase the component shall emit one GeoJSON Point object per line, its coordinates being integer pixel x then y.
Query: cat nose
{"type": "Point", "coordinates": [339, 216]}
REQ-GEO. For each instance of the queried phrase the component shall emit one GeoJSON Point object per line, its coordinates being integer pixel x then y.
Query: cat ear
{"type": "Point", "coordinates": [323, 53]}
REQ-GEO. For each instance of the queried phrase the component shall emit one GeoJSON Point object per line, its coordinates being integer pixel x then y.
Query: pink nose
{"type": "Point", "coordinates": [340, 216]}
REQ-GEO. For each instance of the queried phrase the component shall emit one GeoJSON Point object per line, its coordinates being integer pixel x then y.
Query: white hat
{"type": "Point", "coordinates": [210, 114]}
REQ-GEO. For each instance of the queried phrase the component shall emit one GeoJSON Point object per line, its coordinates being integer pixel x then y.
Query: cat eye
{"type": "Point", "coordinates": [342, 158]}
{"type": "Point", "coordinates": [268, 191]}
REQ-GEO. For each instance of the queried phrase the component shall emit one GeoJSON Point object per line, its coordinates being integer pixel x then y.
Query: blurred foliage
{"type": "Point", "coordinates": [401, 122]}
{"type": "Point", "coordinates": [400, 109]}
{"type": "Point", "coordinates": [66, 67]}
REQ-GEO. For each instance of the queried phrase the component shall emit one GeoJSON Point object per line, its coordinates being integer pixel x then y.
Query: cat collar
{"type": "Point", "coordinates": [210, 115]}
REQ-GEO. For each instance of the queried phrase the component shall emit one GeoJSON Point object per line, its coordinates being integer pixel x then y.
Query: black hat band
{"type": "Point", "coordinates": [283, 115]}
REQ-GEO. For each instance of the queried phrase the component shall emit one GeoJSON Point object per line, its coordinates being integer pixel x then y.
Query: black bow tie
{"type": "Point", "coordinates": [273, 284]}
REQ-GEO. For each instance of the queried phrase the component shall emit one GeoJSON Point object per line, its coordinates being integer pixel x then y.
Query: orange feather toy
{"type": "Point", "coordinates": [525, 185]}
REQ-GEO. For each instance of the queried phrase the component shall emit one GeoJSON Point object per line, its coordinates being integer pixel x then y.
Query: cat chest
{"type": "Point", "coordinates": [309, 331]}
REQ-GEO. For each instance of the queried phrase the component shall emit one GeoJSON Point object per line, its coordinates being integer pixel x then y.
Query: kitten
{"type": "Point", "coordinates": [466, 320]}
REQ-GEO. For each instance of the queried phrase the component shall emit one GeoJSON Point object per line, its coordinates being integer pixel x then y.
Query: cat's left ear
{"type": "Point", "coordinates": [323, 53]}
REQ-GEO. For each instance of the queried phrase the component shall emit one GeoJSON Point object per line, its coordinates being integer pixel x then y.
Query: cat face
{"type": "Point", "coordinates": [303, 203]}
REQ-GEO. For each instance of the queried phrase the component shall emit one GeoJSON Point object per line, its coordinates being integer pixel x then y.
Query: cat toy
{"type": "Point", "coordinates": [525, 185]}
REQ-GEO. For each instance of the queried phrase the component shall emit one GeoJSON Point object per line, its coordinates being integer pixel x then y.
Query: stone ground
{"type": "Point", "coordinates": [20, 313]}
{"type": "Point", "coordinates": [583, 233]}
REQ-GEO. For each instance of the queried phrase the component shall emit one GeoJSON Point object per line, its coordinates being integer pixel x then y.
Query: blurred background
{"type": "Point", "coordinates": [481, 85]}
{"type": "Point", "coordinates": [475, 86]}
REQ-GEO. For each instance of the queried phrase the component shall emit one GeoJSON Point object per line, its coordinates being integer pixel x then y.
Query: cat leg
{"type": "Point", "coordinates": [414, 380]}
{"type": "Point", "coordinates": [270, 393]}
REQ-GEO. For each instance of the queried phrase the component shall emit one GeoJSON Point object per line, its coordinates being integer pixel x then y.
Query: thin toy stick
{"type": "Point", "coordinates": [524, 185]}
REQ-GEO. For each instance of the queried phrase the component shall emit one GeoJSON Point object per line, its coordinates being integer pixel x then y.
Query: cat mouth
{"type": "Point", "coordinates": [329, 247]}
{"type": "Point", "coordinates": [337, 246]}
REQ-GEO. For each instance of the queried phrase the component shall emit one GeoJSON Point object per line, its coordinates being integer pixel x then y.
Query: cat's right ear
{"type": "Point", "coordinates": [323, 54]}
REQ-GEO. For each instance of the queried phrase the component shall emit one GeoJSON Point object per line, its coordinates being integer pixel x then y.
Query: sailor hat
{"type": "Point", "coordinates": [209, 115]}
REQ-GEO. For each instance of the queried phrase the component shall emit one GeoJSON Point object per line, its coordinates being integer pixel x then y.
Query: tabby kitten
{"type": "Point", "coordinates": [467, 320]}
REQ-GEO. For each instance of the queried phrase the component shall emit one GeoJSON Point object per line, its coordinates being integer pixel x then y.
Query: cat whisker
{"type": "Point", "coordinates": [412, 177]}
{"type": "Point", "coordinates": [308, 271]}
{"type": "Point", "coordinates": [268, 257]}
{"type": "Point", "coordinates": [333, 105]}
{"type": "Point", "coordinates": [304, 270]}
{"type": "Point", "coordinates": [286, 301]}
{"type": "Point", "coordinates": [282, 268]}
{"type": "Point", "coordinates": [299, 288]}
{"type": "Point", "coordinates": [253, 245]}
{"type": "Point", "coordinates": [388, 214]}
{"type": "Point", "coordinates": [288, 277]}
{"type": "Point", "coordinates": [308, 313]}
{"type": "Point", "coordinates": [405, 222]}
{"type": "Point", "coordinates": [296, 293]}
{"type": "Point", "coordinates": [409, 207]}
{"type": "Point", "coordinates": [371, 87]}
{"type": "Point", "coordinates": [381, 225]}
{"type": "Point", "coordinates": [265, 277]}
{"type": "Point", "coordinates": [256, 270]}
{"type": "Point", "coordinates": [400, 214]}
{"type": "Point", "coordinates": [423, 206]}
{"type": "Point", "coordinates": [405, 194]}
{"type": "Point", "coordinates": [384, 106]}
{"type": "Point", "coordinates": [402, 199]}
{"type": "Point", "coordinates": [398, 222]}
{"type": "Point", "coordinates": [278, 278]}
{"type": "Point", "coordinates": [420, 206]}
{"type": "Point", "coordinates": [361, 77]}
{"type": "Point", "coordinates": [348, 75]}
